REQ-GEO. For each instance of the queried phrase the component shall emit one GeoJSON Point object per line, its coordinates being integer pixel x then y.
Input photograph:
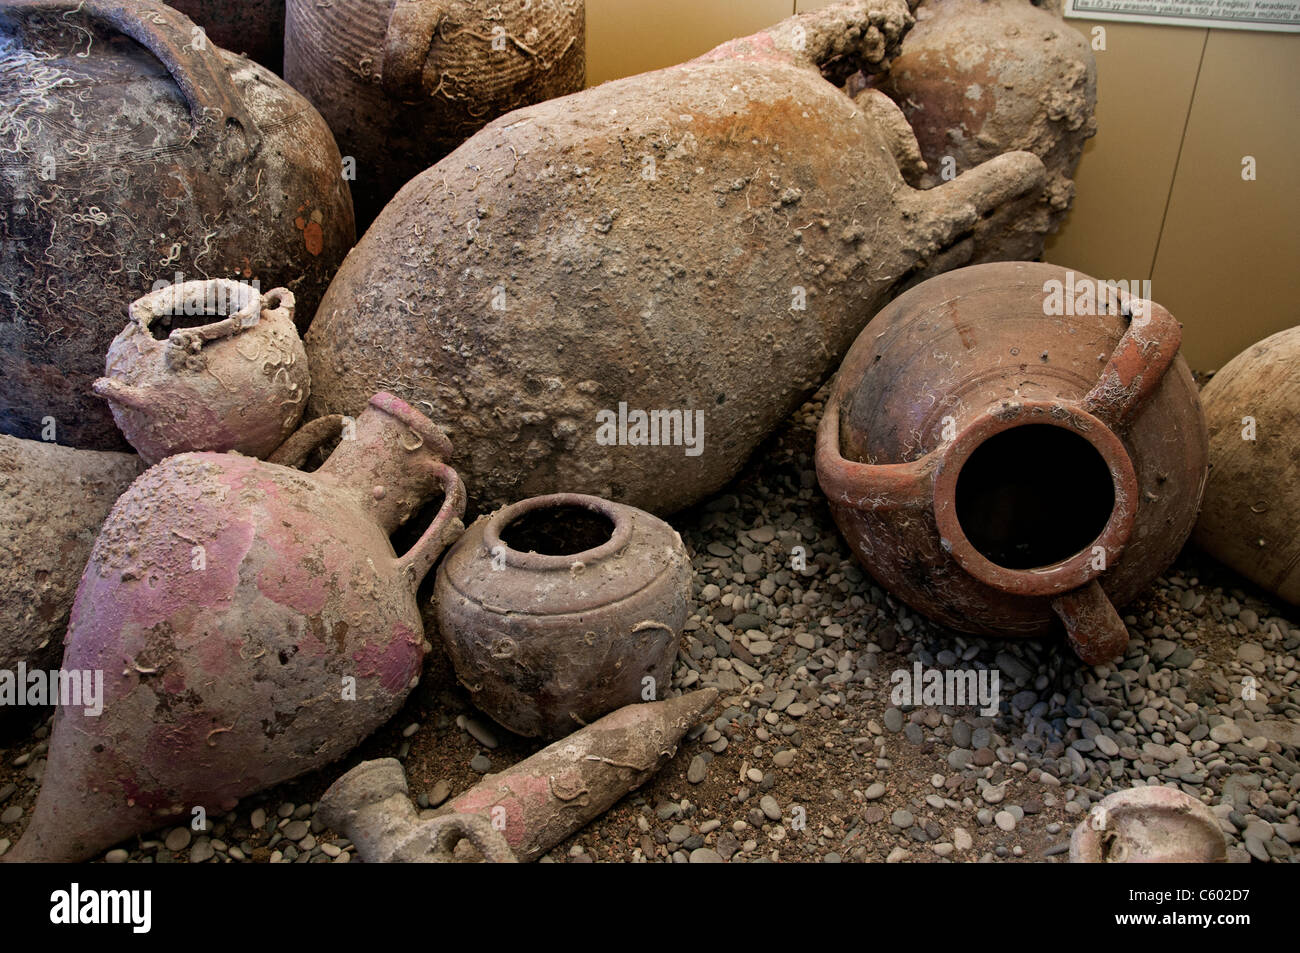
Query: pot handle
{"type": "Point", "coordinates": [412, 27]}
{"type": "Point", "coordinates": [441, 533]}
{"type": "Point", "coordinates": [1137, 365]}
{"type": "Point", "coordinates": [295, 450]}
{"type": "Point", "coordinates": [167, 34]}
{"type": "Point", "coordinates": [1096, 632]}
{"type": "Point", "coordinates": [865, 486]}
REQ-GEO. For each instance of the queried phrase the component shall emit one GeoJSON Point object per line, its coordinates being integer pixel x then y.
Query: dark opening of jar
{"type": "Point", "coordinates": [558, 531]}
{"type": "Point", "coordinates": [195, 305]}
{"type": "Point", "coordinates": [1034, 496]}
{"type": "Point", "coordinates": [409, 533]}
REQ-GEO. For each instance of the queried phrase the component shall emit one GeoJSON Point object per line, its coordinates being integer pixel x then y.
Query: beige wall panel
{"type": "Point", "coordinates": [1229, 259]}
{"type": "Point", "coordinates": [625, 37]}
{"type": "Point", "coordinates": [1145, 78]}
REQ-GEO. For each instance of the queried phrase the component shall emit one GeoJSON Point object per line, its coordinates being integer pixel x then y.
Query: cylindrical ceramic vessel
{"type": "Point", "coordinates": [404, 82]}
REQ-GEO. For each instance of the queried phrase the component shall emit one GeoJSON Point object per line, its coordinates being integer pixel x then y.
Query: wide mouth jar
{"type": "Point", "coordinates": [556, 532]}
{"type": "Point", "coordinates": [192, 305]}
{"type": "Point", "coordinates": [1035, 498]}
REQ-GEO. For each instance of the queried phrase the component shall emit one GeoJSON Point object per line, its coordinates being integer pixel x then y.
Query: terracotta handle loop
{"type": "Point", "coordinates": [1138, 364]}
{"type": "Point", "coordinates": [442, 532]}
{"type": "Point", "coordinates": [447, 831]}
{"type": "Point", "coordinates": [412, 27]}
{"type": "Point", "coordinates": [168, 34]}
{"type": "Point", "coordinates": [865, 486]}
{"type": "Point", "coordinates": [1095, 630]}
{"type": "Point", "coordinates": [294, 451]}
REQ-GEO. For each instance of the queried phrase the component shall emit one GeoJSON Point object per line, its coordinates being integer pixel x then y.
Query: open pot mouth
{"type": "Point", "coordinates": [196, 304]}
{"type": "Point", "coordinates": [1035, 498]}
{"type": "Point", "coordinates": [557, 532]}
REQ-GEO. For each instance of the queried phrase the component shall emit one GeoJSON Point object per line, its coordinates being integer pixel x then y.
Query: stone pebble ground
{"type": "Point", "coordinates": [805, 758]}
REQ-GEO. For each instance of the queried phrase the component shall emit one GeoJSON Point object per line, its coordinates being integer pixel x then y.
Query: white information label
{"type": "Point", "coordinates": [1275, 15]}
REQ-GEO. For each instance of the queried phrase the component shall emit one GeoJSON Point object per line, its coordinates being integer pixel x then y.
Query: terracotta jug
{"type": "Point", "coordinates": [1001, 466]}
{"type": "Point", "coordinates": [251, 622]}
{"type": "Point", "coordinates": [52, 502]}
{"type": "Point", "coordinates": [236, 382]}
{"type": "Point", "coordinates": [133, 155]}
{"type": "Point", "coordinates": [1251, 516]}
{"type": "Point", "coordinates": [651, 274]}
{"type": "Point", "coordinates": [404, 82]}
{"type": "Point", "coordinates": [977, 78]}
{"type": "Point", "coordinates": [556, 610]}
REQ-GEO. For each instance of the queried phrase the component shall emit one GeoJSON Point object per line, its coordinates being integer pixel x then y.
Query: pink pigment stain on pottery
{"type": "Point", "coordinates": [1006, 468]}
{"type": "Point", "coordinates": [216, 683]}
{"type": "Point", "coordinates": [237, 381]}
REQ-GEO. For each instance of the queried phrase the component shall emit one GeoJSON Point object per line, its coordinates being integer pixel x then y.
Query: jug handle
{"type": "Point", "coordinates": [443, 531]}
{"type": "Point", "coordinates": [412, 28]}
{"type": "Point", "coordinates": [295, 450]}
{"type": "Point", "coordinates": [865, 486]}
{"type": "Point", "coordinates": [167, 33]}
{"type": "Point", "coordinates": [1096, 632]}
{"type": "Point", "coordinates": [1137, 365]}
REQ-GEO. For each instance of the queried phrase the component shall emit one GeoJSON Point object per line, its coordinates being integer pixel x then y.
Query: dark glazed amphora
{"type": "Point", "coordinates": [1000, 465]}
{"type": "Point", "coordinates": [252, 622]}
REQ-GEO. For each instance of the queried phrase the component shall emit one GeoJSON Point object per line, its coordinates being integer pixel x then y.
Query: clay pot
{"type": "Point", "coordinates": [703, 241]}
{"type": "Point", "coordinates": [556, 609]}
{"type": "Point", "coordinates": [134, 157]}
{"type": "Point", "coordinates": [52, 502]}
{"type": "Point", "coordinates": [239, 383]}
{"type": "Point", "coordinates": [977, 78]}
{"type": "Point", "coordinates": [1250, 519]}
{"type": "Point", "coordinates": [1148, 825]}
{"type": "Point", "coordinates": [254, 28]}
{"type": "Point", "coordinates": [1000, 467]}
{"type": "Point", "coordinates": [251, 622]}
{"type": "Point", "coordinates": [404, 82]}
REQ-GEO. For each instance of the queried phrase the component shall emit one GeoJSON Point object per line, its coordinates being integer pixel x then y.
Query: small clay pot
{"type": "Point", "coordinates": [1148, 825]}
{"type": "Point", "coordinates": [1250, 519]}
{"type": "Point", "coordinates": [238, 383]}
{"type": "Point", "coordinates": [557, 609]}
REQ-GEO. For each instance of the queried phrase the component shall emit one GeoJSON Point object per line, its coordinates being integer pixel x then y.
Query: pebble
{"type": "Point", "coordinates": [961, 839]}
{"type": "Point", "coordinates": [258, 818]}
{"type": "Point", "coordinates": [993, 794]}
{"type": "Point", "coordinates": [12, 815]}
{"type": "Point", "coordinates": [117, 856]}
{"type": "Point", "coordinates": [874, 792]}
{"type": "Point", "coordinates": [698, 770]}
{"type": "Point", "coordinates": [768, 805]}
{"type": "Point", "coordinates": [893, 719]}
{"type": "Point", "coordinates": [1106, 746]}
{"type": "Point", "coordinates": [783, 759]}
{"type": "Point", "coordinates": [439, 793]}
{"type": "Point", "coordinates": [705, 855]}
{"type": "Point", "coordinates": [1226, 733]}
{"type": "Point", "coordinates": [480, 763]}
{"type": "Point", "coordinates": [961, 734]}
{"type": "Point", "coordinates": [902, 819]}
{"type": "Point", "coordinates": [1005, 820]}
{"type": "Point", "coordinates": [177, 839]}
{"type": "Point", "coordinates": [296, 830]}
{"type": "Point", "coordinates": [201, 851]}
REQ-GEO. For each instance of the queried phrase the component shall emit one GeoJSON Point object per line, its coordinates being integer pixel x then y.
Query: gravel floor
{"type": "Point", "coordinates": [807, 760]}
